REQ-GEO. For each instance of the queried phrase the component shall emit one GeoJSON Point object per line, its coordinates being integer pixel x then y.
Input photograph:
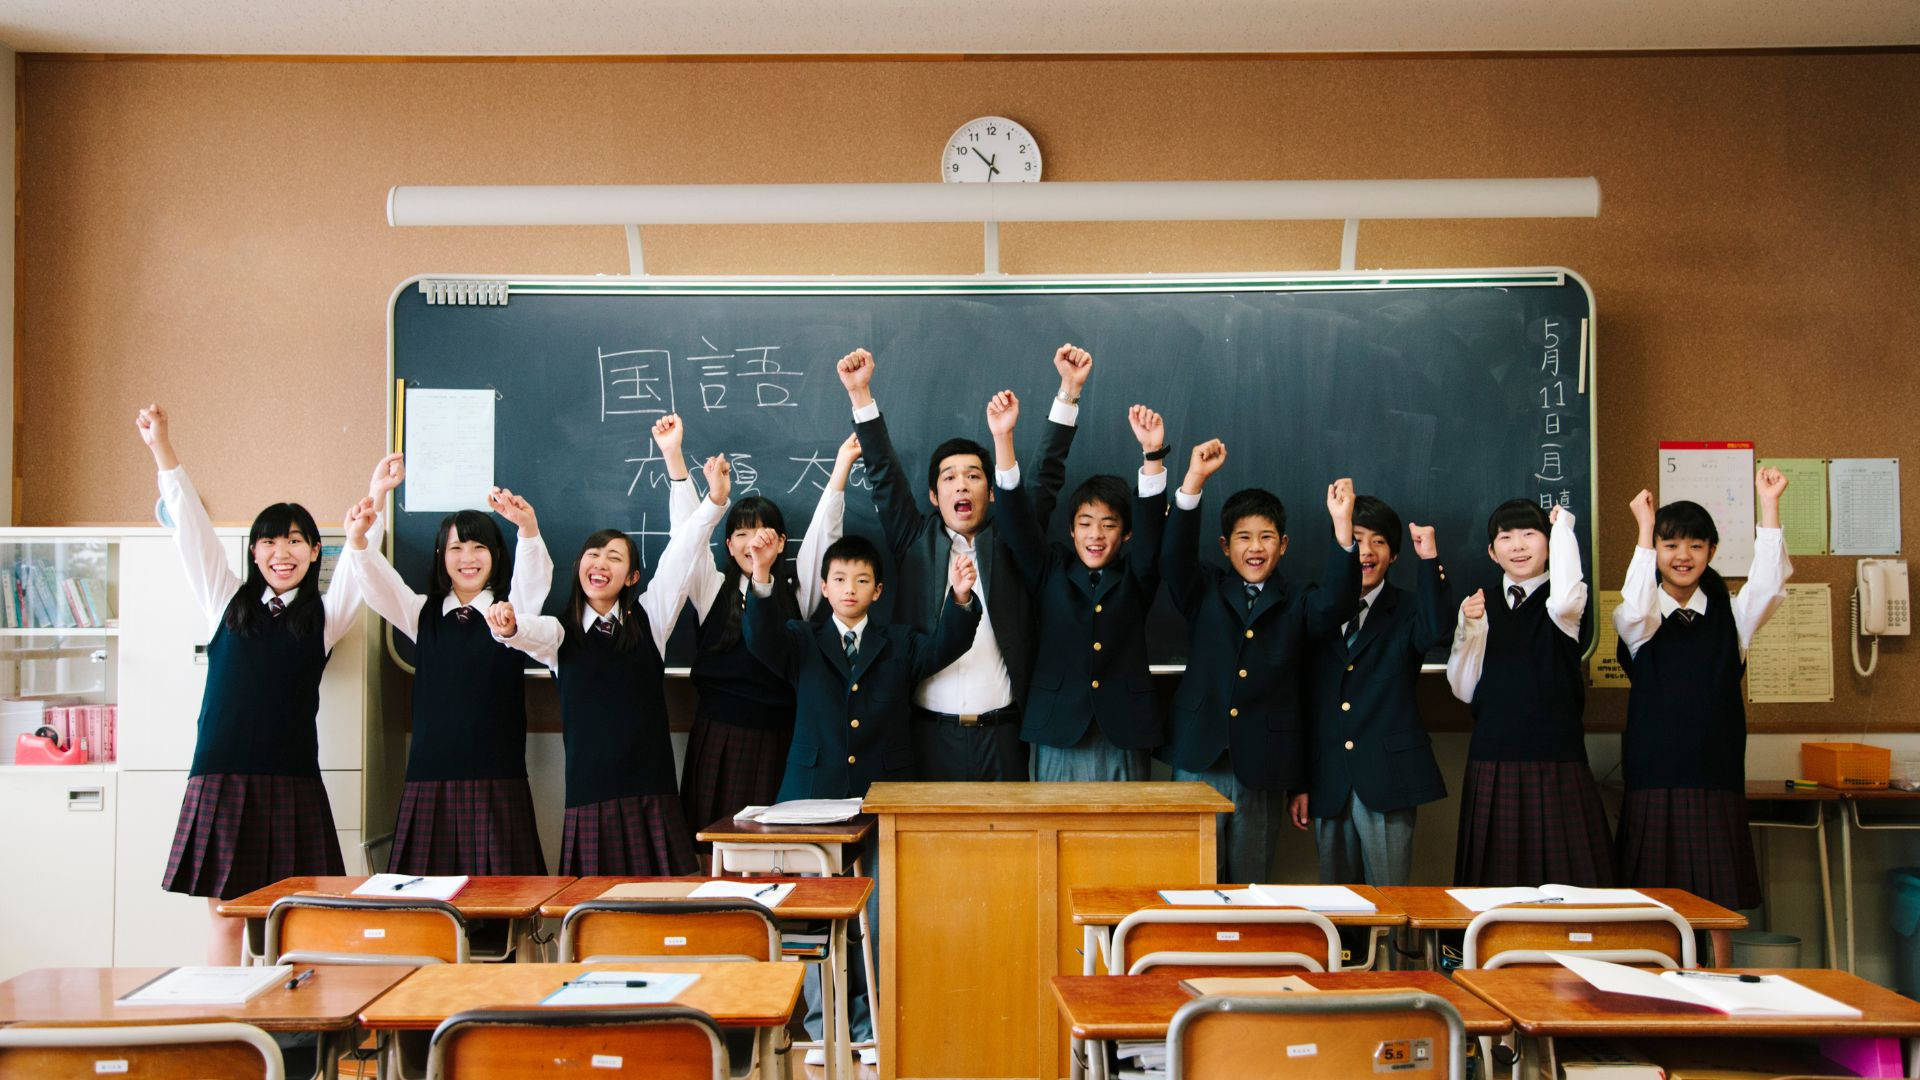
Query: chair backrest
{"type": "Point", "coordinates": [668, 930]}
{"type": "Point", "coordinates": [660, 1042]}
{"type": "Point", "coordinates": [1629, 934]}
{"type": "Point", "coordinates": [172, 1051]}
{"type": "Point", "coordinates": [364, 930]}
{"type": "Point", "coordinates": [1331, 1033]}
{"type": "Point", "coordinates": [1187, 941]}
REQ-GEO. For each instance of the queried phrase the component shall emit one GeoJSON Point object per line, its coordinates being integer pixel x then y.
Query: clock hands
{"type": "Point", "coordinates": [992, 170]}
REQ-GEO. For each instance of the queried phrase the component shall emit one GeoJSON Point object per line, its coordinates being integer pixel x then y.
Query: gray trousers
{"type": "Point", "coordinates": [859, 1012]}
{"type": "Point", "coordinates": [1243, 840]}
{"type": "Point", "coordinates": [1092, 758]}
{"type": "Point", "coordinates": [1363, 846]}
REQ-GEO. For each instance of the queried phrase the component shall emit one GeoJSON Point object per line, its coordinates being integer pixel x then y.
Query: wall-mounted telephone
{"type": "Point", "coordinates": [1880, 606]}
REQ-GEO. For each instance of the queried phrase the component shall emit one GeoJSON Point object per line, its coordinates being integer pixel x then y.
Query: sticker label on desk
{"type": "Point", "coordinates": [1226, 935]}
{"type": "Point", "coordinates": [608, 1061]}
{"type": "Point", "coordinates": [111, 1065]}
{"type": "Point", "coordinates": [1403, 1055]}
{"type": "Point", "coordinates": [1303, 1050]}
{"type": "Point", "coordinates": [1579, 935]}
{"type": "Point", "coordinates": [373, 932]}
{"type": "Point", "coordinates": [674, 941]}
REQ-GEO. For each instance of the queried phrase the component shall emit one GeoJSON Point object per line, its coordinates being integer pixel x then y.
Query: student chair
{"type": "Point", "coordinates": [660, 1042]}
{"type": "Point", "coordinates": [364, 930]}
{"type": "Point", "coordinates": [1351, 1034]}
{"type": "Point", "coordinates": [626, 930]}
{"type": "Point", "coordinates": [1187, 941]}
{"type": "Point", "coordinates": [160, 1051]}
{"type": "Point", "coordinates": [1525, 934]}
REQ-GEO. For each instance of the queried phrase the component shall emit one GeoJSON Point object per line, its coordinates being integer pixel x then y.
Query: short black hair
{"type": "Point", "coordinates": [1516, 514]}
{"type": "Point", "coordinates": [948, 449]}
{"type": "Point", "coordinates": [853, 549]}
{"type": "Point", "coordinates": [1253, 502]}
{"type": "Point", "coordinates": [1108, 490]}
{"type": "Point", "coordinates": [1685, 520]}
{"type": "Point", "coordinates": [1375, 514]}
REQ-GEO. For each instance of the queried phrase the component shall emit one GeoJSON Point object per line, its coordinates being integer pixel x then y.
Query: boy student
{"type": "Point", "coordinates": [1683, 642]}
{"type": "Point", "coordinates": [966, 717]}
{"type": "Point", "coordinates": [851, 679]}
{"type": "Point", "coordinates": [1090, 712]}
{"type": "Point", "coordinates": [1237, 717]}
{"type": "Point", "coordinates": [1530, 810]}
{"type": "Point", "coordinates": [1372, 760]}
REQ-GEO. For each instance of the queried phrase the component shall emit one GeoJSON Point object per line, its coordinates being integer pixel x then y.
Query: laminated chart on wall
{"type": "Point", "coordinates": [1866, 505]}
{"type": "Point", "coordinates": [1791, 658]}
{"type": "Point", "coordinates": [1718, 476]}
{"type": "Point", "coordinates": [1603, 667]}
{"type": "Point", "coordinates": [449, 446]}
{"type": "Point", "coordinates": [1803, 508]}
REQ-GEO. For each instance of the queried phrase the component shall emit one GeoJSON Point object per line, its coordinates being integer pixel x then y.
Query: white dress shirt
{"type": "Point", "coordinates": [539, 636]}
{"type": "Point", "coordinates": [1644, 605]}
{"type": "Point", "coordinates": [388, 594]}
{"type": "Point", "coordinates": [705, 579]}
{"type": "Point", "coordinates": [1566, 602]}
{"type": "Point", "coordinates": [212, 581]}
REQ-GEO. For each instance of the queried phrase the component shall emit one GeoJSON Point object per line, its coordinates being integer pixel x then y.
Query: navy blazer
{"type": "Point", "coordinates": [1245, 677]}
{"type": "Point", "coordinates": [922, 549]}
{"type": "Point", "coordinates": [1094, 668]}
{"type": "Point", "coordinates": [851, 722]}
{"type": "Point", "coordinates": [1367, 735]}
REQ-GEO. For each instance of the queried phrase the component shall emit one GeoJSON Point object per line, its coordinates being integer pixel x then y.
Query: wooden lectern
{"type": "Point", "coordinates": [974, 916]}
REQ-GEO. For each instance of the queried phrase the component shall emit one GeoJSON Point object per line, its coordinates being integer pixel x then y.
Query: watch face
{"type": "Point", "coordinates": [991, 149]}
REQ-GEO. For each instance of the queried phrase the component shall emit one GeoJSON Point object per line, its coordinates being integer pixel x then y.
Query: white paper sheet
{"type": "Point", "coordinates": [1764, 995]}
{"type": "Point", "coordinates": [1792, 656]}
{"type": "Point", "coordinates": [1866, 505]}
{"type": "Point", "coordinates": [411, 887]}
{"type": "Point", "coordinates": [209, 986]}
{"type": "Point", "coordinates": [449, 449]}
{"type": "Point", "coordinates": [1718, 476]}
{"type": "Point", "coordinates": [766, 895]}
{"type": "Point", "coordinates": [1478, 900]}
{"type": "Point", "coordinates": [599, 987]}
{"type": "Point", "coordinates": [1210, 897]}
{"type": "Point", "coordinates": [1331, 898]}
{"type": "Point", "coordinates": [802, 812]}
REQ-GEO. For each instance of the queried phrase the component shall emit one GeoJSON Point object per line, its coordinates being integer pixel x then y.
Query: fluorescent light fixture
{"type": "Point", "coordinates": [1193, 200]}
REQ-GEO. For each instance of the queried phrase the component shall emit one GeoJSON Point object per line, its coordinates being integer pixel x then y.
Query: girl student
{"type": "Point", "coordinates": [623, 814]}
{"type": "Point", "coordinates": [254, 811]}
{"type": "Point", "coordinates": [737, 749]}
{"type": "Point", "coordinates": [466, 807]}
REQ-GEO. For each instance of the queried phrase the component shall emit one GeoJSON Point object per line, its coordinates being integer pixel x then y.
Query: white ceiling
{"type": "Point", "coordinates": [660, 27]}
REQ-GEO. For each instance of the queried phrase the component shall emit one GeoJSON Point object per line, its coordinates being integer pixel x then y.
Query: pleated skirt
{"type": "Point", "coordinates": [638, 835]}
{"type": "Point", "coordinates": [1532, 823]}
{"type": "Point", "coordinates": [473, 827]}
{"type": "Point", "coordinates": [241, 832]}
{"type": "Point", "coordinates": [1689, 838]}
{"type": "Point", "coordinates": [730, 766]}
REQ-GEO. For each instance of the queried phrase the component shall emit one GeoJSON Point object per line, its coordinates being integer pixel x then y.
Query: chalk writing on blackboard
{"type": "Point", "coordinates": [632, 382]}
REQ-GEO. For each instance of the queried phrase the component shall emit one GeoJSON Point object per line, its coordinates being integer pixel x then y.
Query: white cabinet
{"type": "Point", "coordinates": [57, 847]}
{"type": "Point", "coordinates": [162, 632]}
{"type": "Point", "coordinates": [152, 927]}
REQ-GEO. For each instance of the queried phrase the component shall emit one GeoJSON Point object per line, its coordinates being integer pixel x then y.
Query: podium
{"type": "Point", "coordinates": [974, 913]}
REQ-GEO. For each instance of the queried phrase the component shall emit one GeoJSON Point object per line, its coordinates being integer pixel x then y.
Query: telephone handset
{"type": "Point", "coordinates": [1881, 605]}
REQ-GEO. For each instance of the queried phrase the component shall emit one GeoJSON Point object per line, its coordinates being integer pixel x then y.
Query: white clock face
{"type": "Point", "coordinates": [991, 149]}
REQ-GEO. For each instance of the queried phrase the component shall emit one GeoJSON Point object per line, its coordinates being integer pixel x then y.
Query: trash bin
{"type": "Point", "coordinates": [1903, 909]}
{"type": "Point", "coordinates": [1762, 949]}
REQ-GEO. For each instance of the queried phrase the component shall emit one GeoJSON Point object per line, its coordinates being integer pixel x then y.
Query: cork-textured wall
{"type": "Point", "coordinates": [211, 234]}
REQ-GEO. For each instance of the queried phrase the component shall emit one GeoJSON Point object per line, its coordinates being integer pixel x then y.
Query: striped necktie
{"type": "Point", "coordinates": [1353, 628]}
{"type": "Point", "coordinates": [851, 644]}
{"type": "Point", "coordinates": [276, 607]}
{"type": "Point", "coordinates": [1253, 593]}
{"type": "Point", "coordinates": [1516, 596]}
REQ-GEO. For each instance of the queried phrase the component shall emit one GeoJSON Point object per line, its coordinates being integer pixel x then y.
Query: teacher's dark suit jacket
{"type": "Point", "coordinates": [1094, 666]}
{"type": "Point", "coordinates": [1367, 735]}
{"type": "Point", "coordinates": [851, 722]}
{"type": "Point", "coordinates": [1245, 683]}
{"type": "Point", "coordinates": [922, 549]}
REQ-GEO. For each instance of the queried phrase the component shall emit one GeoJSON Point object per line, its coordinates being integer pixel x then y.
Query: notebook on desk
{"type": "Point", "coordinates": [411, 887]}
{"type": "Point", "coordinates": [1334, 899]}
{"type": "Point", "coordinates": [1478, 900]}
{"type": "Point", "coordinates": [1735, 995]}
{"type": "Point", "coordinates": [207, 986]}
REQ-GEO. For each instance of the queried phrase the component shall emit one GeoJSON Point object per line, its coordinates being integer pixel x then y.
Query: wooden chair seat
{"type": "Point", "coordinates": [169, 1051]}
{"type": "Point", "coordinates": [364, 929]}
{"type": "Point", "coordinates": [1276, 940]}
{"type": "Point", "coordinates": [663, 1042]}
{"type": "Point", "coordinates": [1331, 1033]}
{"type": "Point", "coordinates": [668, 930]}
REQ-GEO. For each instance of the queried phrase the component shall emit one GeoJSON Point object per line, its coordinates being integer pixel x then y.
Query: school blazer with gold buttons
{"type": "Point", "coordinates": [851, 722]}
{"type": "Point", "coordinates": [1093, 668]}
{"type": "Point", "coordinates": [1367, 736]}
{"type": "Point", "coordinates": [1245, 682]}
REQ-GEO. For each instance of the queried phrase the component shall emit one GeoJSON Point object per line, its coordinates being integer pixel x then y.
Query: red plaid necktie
{"type": "Point", "coordinates": [276, 607]}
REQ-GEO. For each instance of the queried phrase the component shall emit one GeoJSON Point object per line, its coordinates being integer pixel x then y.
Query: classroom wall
{"type": "Point", "coordinates": [9, 169]}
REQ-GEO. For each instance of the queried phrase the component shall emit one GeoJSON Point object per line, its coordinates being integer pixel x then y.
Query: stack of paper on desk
{"type": "Point", "coordinates": [208, 986]}
{"type": "Point", "coordinates": [1736, 995]}
{"type": "Point", "coordinates": [801, 812]}
{"type": "Point", "coordinates": [1487, 899]}
{"type": "Point", "coordinates": [1337, 899]}
{"type": "Point", "coordinates": [766, 895]}
{"type": "Point", "coordinates": [1228, 985]}
{"type": "Point", "coordinates": [411, 887]}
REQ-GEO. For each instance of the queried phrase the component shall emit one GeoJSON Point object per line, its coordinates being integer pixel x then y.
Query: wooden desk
{"type": "Point", "coordinates": [1765, 792]}
{"type": "Point", "coordinates": [1430, 910]}
{"type": "Point", "coordinates": [514, 899]}
{"type": "Point", "coordinates": [1098, 908]}
{"type": "Point", "coordinates": [748, 846]}
{"type": "Point", "coordinates": [975, 915]}
{"type": "Point", "coordinates": [1548, 1001]}
{"type": "Point", "coordinates": [1100, 1008]}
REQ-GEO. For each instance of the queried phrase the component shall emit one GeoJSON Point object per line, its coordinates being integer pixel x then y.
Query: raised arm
{"type": "Point", "coordinates": [953, 633]}
{"type": "Point", "coordinates": [1431, 625]}
{"type": "Point", "coordinates": [828, 525]}
{"type": "Point", "coordinates": [210, 579]}
{"type": "Point", "coordinates": [532, 566]}
{"type": "Point", "coordinates": [1149, 497]}
{"type": "Point", "coordinates": [1469, 647]}
{"type": "Point", "coordinates": [374, 577]}
{"type": "Point", "coordinates": [1638, 616]}
{"type": "Point", "coordinates": [1766, 584]}
{"type": "Point", "coordinates": [704, 578]}
{"type": "Point", "coordinates": [1566, 581]}
{"type": "Point", "coordinates": [1180, 547]}
{"type": "Point", "coordinates": [667, 589]}
{"type": "Point", "coordinates": [1338, 596]}
{"type": "Point", "coordinates": [893, 495]}
{"type": "Point", "coordinates": [538, 636]}
{"type": "Point", "coordinates": [769, 638]}
{"type": "Point", "coordinates": [1018, 529]}
{"type": "Point", "coordinates": [1075, 365]}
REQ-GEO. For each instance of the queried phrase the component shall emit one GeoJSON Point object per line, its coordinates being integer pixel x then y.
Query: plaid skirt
{"type": "Point", "coordinates": [1532, 823]}
{"type": "Point", "coordinates": [728, 767]}
{"type": "Point", "coordinates": [1689, 838]}
{"type": "Point", "coordinates": [238, 833]}
{"type": "Point", "coordinates": [636, 835]}
{"type": "Point", "coordinates": [472, 827]}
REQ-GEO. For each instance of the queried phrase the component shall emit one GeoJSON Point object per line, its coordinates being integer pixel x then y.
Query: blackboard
{"type": "Point", "coordinates": [1442, 392]}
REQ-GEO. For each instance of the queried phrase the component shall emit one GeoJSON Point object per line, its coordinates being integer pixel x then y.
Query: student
{"type": "Point", "coordinates": [623, 812]}
{"type": "Point", "coordinates": [1372, 759]}
{"type": "Point", "coordinates": [966, 717]}
{"type": "Point", "coordinates": [466, 807]}
{"type": "Point", "coordinates": [254, 810]}
{"type": "Point", "coordinates": [851, 679]}
{"type": "Point", "coordinates": [1530, 811]}
{"type": "Point", "coordinates": [1238, 724]}
{"type": "Point", "coordinates": [1090, 713]}
{"type": "Point", "coordinates": [1683, 642]}
{"type": "Point", "coordinates": [744, 724]}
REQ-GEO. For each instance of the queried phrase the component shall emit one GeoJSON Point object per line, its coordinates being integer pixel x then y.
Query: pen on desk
{"type": "Point", "coordinates": [408, 882]}
{"type": "Point", "coordinates": [295, 982]}
{"type": "Point", "coordinates": [1717, 975]}
{"type": "Point", "coordinates": [631, 984]}
{"type": "Point", "coordinates": [767, 890]}
{"type": "Point", "coordinates": [1224, 898]}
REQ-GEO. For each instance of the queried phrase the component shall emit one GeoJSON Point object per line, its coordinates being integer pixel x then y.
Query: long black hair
{"type": "Point", "coordinates": [720, 625]}
{"type": "Point", "coordinates": [245, 613]}
{"type": "Point", "coordinates": [467, 525]}
{"type": "Point", "coordinates": [628, 636]}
